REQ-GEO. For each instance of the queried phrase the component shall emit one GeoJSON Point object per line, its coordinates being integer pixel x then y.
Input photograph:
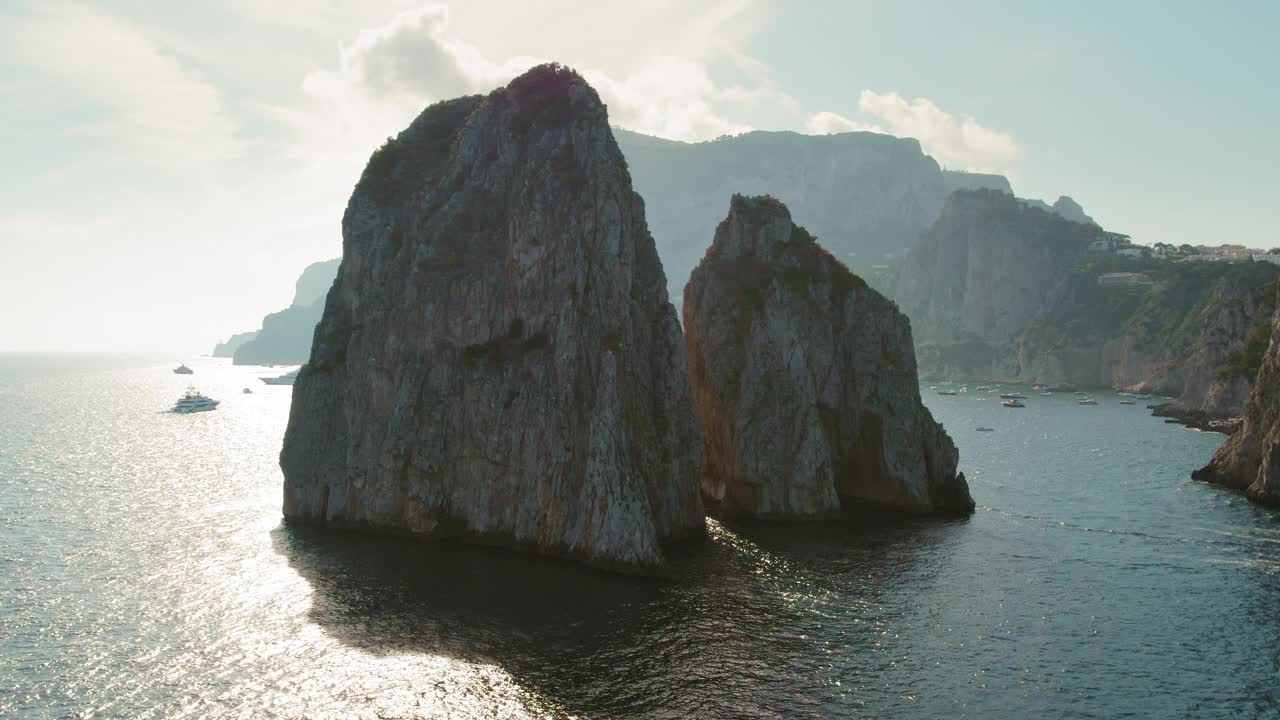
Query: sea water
{"type": "Point", "coordinates": [145, 572]}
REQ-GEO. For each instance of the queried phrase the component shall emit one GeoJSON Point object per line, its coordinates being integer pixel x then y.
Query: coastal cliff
{"type": "Point", "coordinates": [1250, 459]}
{"type": "Point", "coordinates": [285, 337]}
{"type": "Point", "coordinates": [868, 196]}
{"type": "Point", "coordinates": [1000, 290]}
{"type": "Point", "coordinates": [498, 360]}
{"type": "Point", "coordinates": [805, 381]}
{"type": "Point", "coordinates": [228, 347]}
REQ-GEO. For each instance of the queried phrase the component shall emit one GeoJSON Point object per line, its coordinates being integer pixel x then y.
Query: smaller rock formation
{"type": "Point", "coordinates": [1250, 459]}
{"type": "Point", "coordinates": [805, 381]}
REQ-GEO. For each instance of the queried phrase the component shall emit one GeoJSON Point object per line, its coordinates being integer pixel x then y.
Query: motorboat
{"type": "Point", "coordinates": [247, 391]}
{"type": "Point", "coordinates": [1012, 404]}
{"type": "Point", "coordinates": [1087, 401]}
{"type": "Point", "coordinates": [183, 370]}
{"type": "Point", "coordinates": [984, 429]}
{"type": "Point", "coordinates": [947, 392]}
{"type": "Point", "coordinates": [1126, 402]}
{"type": "Point", "coordinates": [193, 401]}
{"type": "Point", "coordinates": [1013, 396]}
{"type": "Point", "coordinates": [285, 379]}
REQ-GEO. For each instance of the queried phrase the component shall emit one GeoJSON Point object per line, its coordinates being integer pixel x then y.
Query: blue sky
{"type": "Point", "coordinates": [171, 167]}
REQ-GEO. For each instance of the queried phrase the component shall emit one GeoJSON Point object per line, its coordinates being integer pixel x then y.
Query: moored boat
{"type": "Point", "coordinates": [193, 401]}
{"type": "Point", "coordinates": [285, 379]}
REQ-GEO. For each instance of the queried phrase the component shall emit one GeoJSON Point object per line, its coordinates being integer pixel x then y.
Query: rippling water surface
{"type": "Point", "coordinates": [144, 572]}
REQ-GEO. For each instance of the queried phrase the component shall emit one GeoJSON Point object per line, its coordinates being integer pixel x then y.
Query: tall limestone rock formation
{"type": "Point", "coordinates": [498, 359]}
{"type": "Point", "coordinates": [805, 381]}
{"type": "Point", "coordinates": [1000, 290]}
{"type": "Point", "coordinates": [1250, 459]}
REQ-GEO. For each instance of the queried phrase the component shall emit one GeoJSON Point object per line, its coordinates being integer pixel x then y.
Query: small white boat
{"type": "Point", "coordinates": [1012, 404]}
{"type": "Point", "coordinates": [984, 429]}
{"type": "Point", "coordinates": [1087, 401]}
{"type": "Point", "coordinates": [1126, 402]}
{"type": "Point", "coordinates": [947, 392]}
{"type": "Point", "coordinates": [183, 370]}
{"type": "Point", "coordinates": [1013, 396]}
{"type": "Point", "coordinates": [194, 402]}
{"type": "Point", "coordinates": [285, 379]}
{"type": "Point", "coordinates": [1047, 394]}
{"type": "Point", "coordinates": [247, 391]}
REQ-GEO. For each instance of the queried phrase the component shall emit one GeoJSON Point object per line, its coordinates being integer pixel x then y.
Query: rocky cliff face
{"type": "Point", "coordinates": [999, 290]}
{"type": "Point", "coordinates": [285, 337]}
{"type": "Point", "coordinates": [1250, 459]}
{"type": "Point", "coordinates": [868, 196]}
{"type": "Point", "coordinates": [498, 359]}
{"type": "Point", "coordinates": [805, 381]}
{"type": "Point", "coordinates": [314, 282]}
{"type": "Point", "coordinates": [232, 344]}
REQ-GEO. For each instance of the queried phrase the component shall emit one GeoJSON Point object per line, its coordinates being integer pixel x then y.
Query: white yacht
{"type": "Point", "coordinates": [1012, 404]}
{"type": "Point", "coordinates": [285, 379]}
{"type": "Point", "coordinates": [193, 402]}
{"type": "Point", "coordinates": [183, 370]}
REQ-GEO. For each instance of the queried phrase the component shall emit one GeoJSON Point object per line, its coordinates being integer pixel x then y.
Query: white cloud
{"type": "Point", "coordinates": [957, 142]}
{"type": "Point", "coordinates": [156, 105]}
{"type": "Point", "coordinates": [390, 72]}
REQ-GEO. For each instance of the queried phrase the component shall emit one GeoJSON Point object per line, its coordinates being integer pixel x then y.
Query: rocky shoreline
{"type": "Point", "coordinates": [1177, 413]}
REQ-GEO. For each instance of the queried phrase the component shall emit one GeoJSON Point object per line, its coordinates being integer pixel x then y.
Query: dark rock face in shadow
{"type": "Point", "coordinates": [728, 634]}
{"type": "Point", "coordinates": [1250, 459]}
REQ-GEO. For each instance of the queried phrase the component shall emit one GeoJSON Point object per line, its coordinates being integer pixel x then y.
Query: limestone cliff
{"type": "Point", "coordinates": [314, 282]}
{"type": "Point", "coordinates": [285, 336]}
{"type": "Point", "coordinates": [229, 347]}
{"type": "Point", "coordinates": [868, 196]}
{"type": "Point", "coordinates": [805, 381]}
{"type": "Point", "coordinates": [999, 290]}
{"type": "Point", "coordinates": [498, 359]}
{"type": "Point", "coordinates": [1250, 459]}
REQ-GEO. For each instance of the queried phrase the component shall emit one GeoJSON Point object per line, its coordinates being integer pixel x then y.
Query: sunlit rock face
{"type": "Point", "coordinates": [1250, 459]}
{"type": "Point", "coordinates": [805, 381]}
{"type": "Point", "coordinates": [1000, 290]}
{"type": "Point", "coordinates": [498, 359]}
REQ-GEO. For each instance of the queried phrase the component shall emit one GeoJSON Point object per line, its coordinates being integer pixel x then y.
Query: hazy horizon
{"type": "Point", "coordinates": [174, 169]}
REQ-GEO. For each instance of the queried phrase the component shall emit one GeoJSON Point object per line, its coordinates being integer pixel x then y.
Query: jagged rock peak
{"type": "Point", "coordinates": [759, 226]}
{"type": "Point", "coordinates": [498, 359]}
{"type": "Point", "coordinates": [1071, 210]}
{"type": "Point", "coordinates": [805, 381]}
{"type": "Point", "coordinates": [1250, 459]}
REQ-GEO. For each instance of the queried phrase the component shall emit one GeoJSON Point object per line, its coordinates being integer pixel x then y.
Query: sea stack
{"type": "Point", "coordinates": [805, 382]}
{"type": "Point", "coordinates": [498, 360]}
{"type": "Point", "coordinates": [1250, 459]}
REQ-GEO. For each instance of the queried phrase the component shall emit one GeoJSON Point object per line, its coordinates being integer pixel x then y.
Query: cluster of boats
{"type": "Point", "coordinates": [1015, 400]}
{"type": "Point", "coordinates": [193, 401]}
